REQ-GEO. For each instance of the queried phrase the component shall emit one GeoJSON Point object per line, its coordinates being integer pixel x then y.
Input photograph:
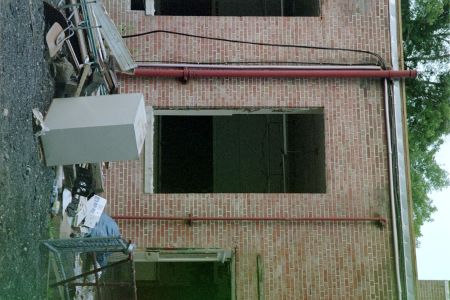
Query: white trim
{"type": "Point", "coordinates": [230, 112]}
{"type": "Point", "coordinates": [150, 7]}
{"type": "Point", "coordinates": [191, 255]}
{"type": "Point", "coordinates": [148, 152]}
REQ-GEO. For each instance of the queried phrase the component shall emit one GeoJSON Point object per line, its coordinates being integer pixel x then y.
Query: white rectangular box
{"type": "Point", "coordinates": [94, 129]}
{"type": "Point", "coordinates": [94, 208]}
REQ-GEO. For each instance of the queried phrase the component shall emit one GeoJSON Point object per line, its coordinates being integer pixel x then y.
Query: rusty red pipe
{"type": "Point", "coordinates": [187, 73]}
{"type": "Point", "coordinates": [190, 219]}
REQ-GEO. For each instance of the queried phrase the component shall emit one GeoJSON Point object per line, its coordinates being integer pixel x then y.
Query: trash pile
{"type": "Point", "coordinates": [88, 122]}
{"type": "Point", "coordinates": [85, 48]}
{"type": "Point", "coordinates": [87, 125]}
{"type": "Point", "coordinates": [82, 208]}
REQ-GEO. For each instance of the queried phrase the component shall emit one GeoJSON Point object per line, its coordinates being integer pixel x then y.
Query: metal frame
{"type": "Point", "coordinates": [75, 246]}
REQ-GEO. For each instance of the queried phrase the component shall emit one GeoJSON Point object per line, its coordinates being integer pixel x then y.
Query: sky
{"type": "Point", "coordinates": [433, 254]}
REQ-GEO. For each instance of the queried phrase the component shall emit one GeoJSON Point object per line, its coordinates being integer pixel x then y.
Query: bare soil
{"type": "Point", "coordinates": [25, 181]}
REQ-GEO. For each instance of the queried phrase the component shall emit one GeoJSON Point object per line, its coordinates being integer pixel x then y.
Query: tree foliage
{"type": "Point", "coordinates": [426, 41]}
{"type": "Point", "coordinates": [426, 31]}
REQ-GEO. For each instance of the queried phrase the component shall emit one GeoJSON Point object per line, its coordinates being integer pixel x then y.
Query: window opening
{"type": "Point", "coordinates": [137, 4]}
{"type": "Point", "coordinates": [226, 152]}
{"type": "Point", "coordinates": [238, 7]}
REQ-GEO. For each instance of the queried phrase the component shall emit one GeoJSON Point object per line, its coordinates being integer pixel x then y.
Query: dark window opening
{"type": "Point", "coordinates": [240, 153]}
{"type": "Point", "coordinates": [238, 7]}
{"type": "Point", "coordinates": [183, 280]}
{"type": "Point", "coordinates": [183, 7]}
{"type": "Point", "coordinates": [185, 154]}
{"type": "Point", "coordinates": [137, 4]}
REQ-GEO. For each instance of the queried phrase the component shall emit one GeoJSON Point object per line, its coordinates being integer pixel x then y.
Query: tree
{"type": "Point", "coordinates": [426, 31]}
{"type": "Point", "coordinates": [426, 41]}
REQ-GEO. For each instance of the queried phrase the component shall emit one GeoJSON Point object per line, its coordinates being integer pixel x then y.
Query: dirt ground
{"type": "Point", "coordinates": [25, 182]}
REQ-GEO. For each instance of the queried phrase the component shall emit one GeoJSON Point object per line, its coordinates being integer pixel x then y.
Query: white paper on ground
{"type": "Point", "coordinates": [95, 207]}
{"type": "Point", "coordinates": [66, 199]}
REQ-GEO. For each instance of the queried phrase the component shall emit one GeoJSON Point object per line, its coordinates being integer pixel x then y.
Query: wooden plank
{"type": "Point", "coordinates": [113, 38]}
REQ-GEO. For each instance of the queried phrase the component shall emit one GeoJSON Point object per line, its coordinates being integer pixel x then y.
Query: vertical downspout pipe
{"type": "Point", "coordinates": [391, 188]}
{"type": "Point", "coordinates": [405, 237]}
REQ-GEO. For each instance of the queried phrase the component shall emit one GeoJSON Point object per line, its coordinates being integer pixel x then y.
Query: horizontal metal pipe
{"type": "Point", "coordinates": [190, 219]}
{"type": "Point", "coordinates": [187, 73]}
{"type": "Point", "coordinates": [247, 66]}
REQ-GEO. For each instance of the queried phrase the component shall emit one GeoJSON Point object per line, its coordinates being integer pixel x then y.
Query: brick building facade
{"type": "Point", "coordinates": [433, 290]}
{"type": "Point", "coordinates": [349, 161]}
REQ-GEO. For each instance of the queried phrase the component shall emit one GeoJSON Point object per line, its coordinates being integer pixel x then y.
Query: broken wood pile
{"type": "Point", "coordinates": [85, 49]}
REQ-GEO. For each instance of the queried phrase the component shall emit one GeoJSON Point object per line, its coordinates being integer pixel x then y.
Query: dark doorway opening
{"type": "Point", "coordinates": [183, 280]}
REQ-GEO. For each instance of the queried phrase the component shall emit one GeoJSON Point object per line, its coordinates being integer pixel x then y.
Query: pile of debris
{"type": "Point", "coordinates": [87, 124]}
{"type": "Point", "coordinates": [83, 209]}
{"type": "Point", "coordinates": [85, 48]}
{"type": "Point", "coordinates": [80, 130]}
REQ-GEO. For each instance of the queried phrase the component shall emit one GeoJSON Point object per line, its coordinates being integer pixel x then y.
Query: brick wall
{"type": "Point", "coordinates": [301, 260]}
{"type": "Point", "coordinates": [431, 289]}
